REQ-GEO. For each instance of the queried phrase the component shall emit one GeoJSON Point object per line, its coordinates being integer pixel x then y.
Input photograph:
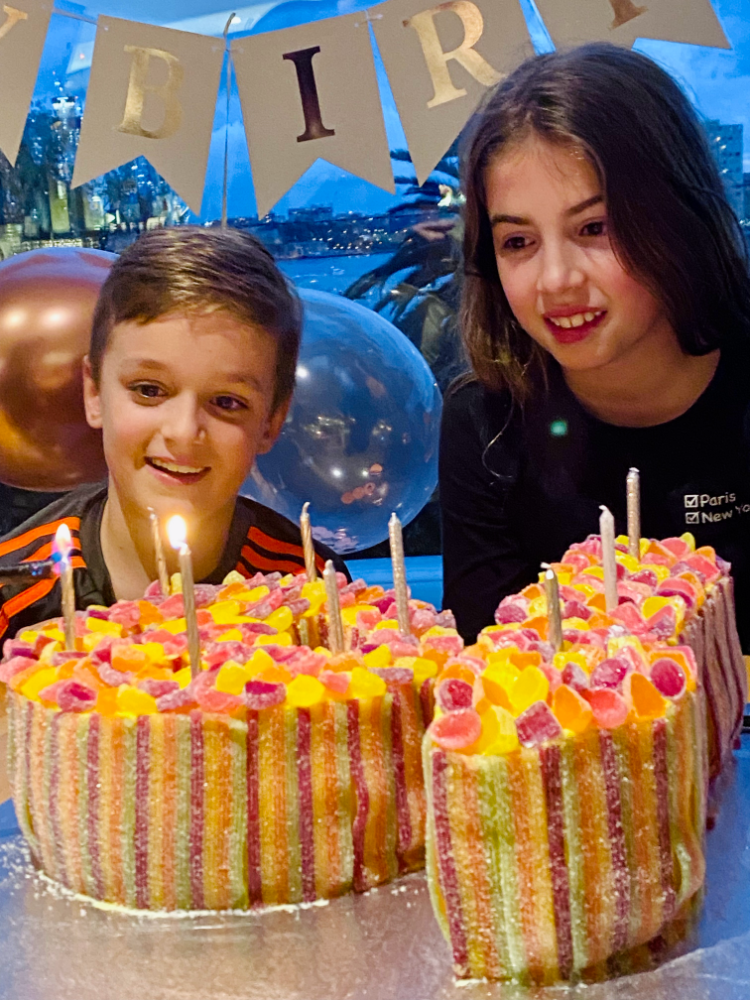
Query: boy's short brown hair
{"type": "Point", "coordinates": [187, 269]}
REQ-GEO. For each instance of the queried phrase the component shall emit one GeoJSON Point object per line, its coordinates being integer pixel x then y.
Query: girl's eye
{"type": "Point", "coordinates": [597, 228]}
{"type": "Point", "coordinates": [515, 243]}
{"type": "Point", "coordinates": [230, 404]}
{"type": "Point", "coordinates": [146, 390]}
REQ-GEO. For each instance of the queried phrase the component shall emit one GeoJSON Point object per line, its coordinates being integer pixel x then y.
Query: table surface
{"type": "Point", "coordinates": [384, 945]}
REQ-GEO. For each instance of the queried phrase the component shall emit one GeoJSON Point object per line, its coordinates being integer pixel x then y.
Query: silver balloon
{"type": "Point", "coordinates": [361, 437]}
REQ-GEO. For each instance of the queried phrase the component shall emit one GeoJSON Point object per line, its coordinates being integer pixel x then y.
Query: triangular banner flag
{"type": "Point", "coordinates": [23, 29]}
{"type": "Point", "coordinates": [311, 92]}
{"type": "Point", "coordinates": [440, 61]}
{"type": "Point", "coordinates": [152, 92]}
{"type": "Point", "coordinates": [572, 22]}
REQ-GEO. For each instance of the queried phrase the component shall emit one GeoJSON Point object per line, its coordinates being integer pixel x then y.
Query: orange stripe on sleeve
{"type": "Point", "coordinates": [271, 544]}
{"type": "Point", "coordinates": [27, 597]}
{"type": "Point", "coordinates": [14, 544]}
{"type": "Point", "coordinates": [270, 565]}
{"type": "Point", "coordinates": [45, 551]}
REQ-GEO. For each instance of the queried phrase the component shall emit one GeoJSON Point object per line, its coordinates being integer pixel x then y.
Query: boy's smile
{"type": "Point", "coordinates": [185, 405]}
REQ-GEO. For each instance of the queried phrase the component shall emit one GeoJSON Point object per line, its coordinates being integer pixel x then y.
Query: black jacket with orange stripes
{"type": "Point", "coordinates": [259, 540]}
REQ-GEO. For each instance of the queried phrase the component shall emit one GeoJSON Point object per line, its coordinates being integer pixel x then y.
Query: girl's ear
{"type": "Point", "coordinates": [91, 398]}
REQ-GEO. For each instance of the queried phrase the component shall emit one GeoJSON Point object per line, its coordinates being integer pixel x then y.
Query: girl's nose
{"type": "Point", "coordinates": [560, 269]}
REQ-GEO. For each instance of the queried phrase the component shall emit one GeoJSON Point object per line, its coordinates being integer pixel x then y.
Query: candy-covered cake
{"type": "Point", "coordinates": [567, 790]}
{"type": "Point", "coordinates": [280, 774]}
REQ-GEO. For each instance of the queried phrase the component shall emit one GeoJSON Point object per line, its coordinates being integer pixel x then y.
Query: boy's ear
{"type": "Point", "coordinates": [92, 400]}
{"type": "Point", "coordinates": [273, 427]}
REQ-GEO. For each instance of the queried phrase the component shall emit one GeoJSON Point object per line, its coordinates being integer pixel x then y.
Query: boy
{"type": "Point", "coordinates": [189, 376]}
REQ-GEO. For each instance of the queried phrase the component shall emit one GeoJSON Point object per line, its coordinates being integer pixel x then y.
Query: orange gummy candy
{"type": "Point", "coordinates": [599, 621]}
{"type": "Point", "coordinates": [127, 658]}
{"type": "Point", "coordinates": [647, 702]}
{"type": "Point", "coordinates": [523, 660]}
{"type": "Point", "coordinates": [597, 602]}
{"type": "Point", "coordinates": [436, 655]}
{"type": "Point", "coordinates": [106, 701]}
{"type": "Point", "coordinates": [571, 710]}
{"type": "Point", "coordinates": [343, 661]}
{"type": "Point", "coordinates": [150, 614]}
{"type": "Point", "coordinates": [457, 670]}
{"type": "Point", "coordinates": [541, 624]}
{"type": "Point", "coordinates": [532, 591]}
{"type": "Point", "coordinates": [274, 675]}
{"type": "Point", "coordinates": [494, 693]}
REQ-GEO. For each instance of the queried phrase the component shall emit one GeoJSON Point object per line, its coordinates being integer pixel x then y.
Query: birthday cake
{"type": "Point", "coordinates": [279, 774]}
{"type": "Point", "coordinates": [567, 790]}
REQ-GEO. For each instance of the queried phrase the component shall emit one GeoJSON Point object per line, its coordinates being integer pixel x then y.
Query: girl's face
{"type": "Point", "coordinates": [555, 260]}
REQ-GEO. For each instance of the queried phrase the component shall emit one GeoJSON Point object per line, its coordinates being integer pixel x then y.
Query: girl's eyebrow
{"type": "Point", "coordinates": [519, 220]}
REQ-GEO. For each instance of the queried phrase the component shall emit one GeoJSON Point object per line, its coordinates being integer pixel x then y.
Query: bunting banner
{"type": "Point", "coordinates": [441, 60]}
{"type": "Point", "coordinates": [310, 92]}
{"type": "Point", "coordinates": [622, 21]}
{"type": "Point", "coordinates": [319, 98]}
{"type": "Point", "coordinates": [152, 92]}
{"type": "Point", "coordinates": [23, 30]}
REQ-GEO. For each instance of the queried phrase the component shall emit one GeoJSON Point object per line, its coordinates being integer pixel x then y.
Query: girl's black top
{"type": "Point", "coordinates": [517, 487]}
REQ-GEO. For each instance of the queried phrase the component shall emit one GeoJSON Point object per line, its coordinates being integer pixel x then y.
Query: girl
{"type": "Point", "coordinates": [606, 315]}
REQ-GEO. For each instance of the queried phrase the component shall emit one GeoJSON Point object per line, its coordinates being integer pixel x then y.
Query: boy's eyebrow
{"type": "Point", "coordinates": [519, 220]}
{"type": "Point", "coordinates": [151, 364]}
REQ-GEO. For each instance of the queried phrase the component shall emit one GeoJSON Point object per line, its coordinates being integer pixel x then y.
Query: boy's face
{"type": "Point", "coordinates": [185, 405]}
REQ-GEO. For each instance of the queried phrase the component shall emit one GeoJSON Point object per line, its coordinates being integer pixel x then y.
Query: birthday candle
{"type": "Point", "coordinates": [161, 563]}
{"type": "Point", "coordinates": [335, 625]}
{"type": "Point", "coordinates": [634, 513]}
{"type": "Point", "coordinates": [399, 574]}
{"type": "Point", "coordinates": [177, 532]}
{"type": "Point", "coordinates": [552, 593]}
{"type": "Point", "coordinates": [61, 556]}
{"type": "Point", "coordinates": [307, 543]}
{"type": "Point", "coordinates": [607, 531]}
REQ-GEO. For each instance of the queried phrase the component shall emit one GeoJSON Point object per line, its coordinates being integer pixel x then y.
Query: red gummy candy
{"type": "Point", "coordinates": [609, 707]}
{"type": "Point", "coordinates": [646, 576]}
{"type": "Point", "coordinates": [173, 607]}
{"type": "Point", "coordinates": [674, 587]}
{"type": "Point", "coordinates": [454, 694]}
{"type": "Point", "coordinates": [575, 677]}
{"type": "Point", "coordinates": [668, 678]}
{"type": "Point", "coordinates": [15, 665]}
{"type": "Point", "coordinates": [262, 694]}
{"type": "Point", "coordinates": [537, 725]}
{"type": "Point", "coordinates": [610, 673]}
{"type": "Point", "coordinates": [628, 614]}
{"type": "Point", "coordinates": [456, 730]}
{"type": "Point", "coordinates": [676, 546]}
{"type": "Point", "coordinates": [75, 697]}
{"type": "Point", "coordinates": [576, 609]}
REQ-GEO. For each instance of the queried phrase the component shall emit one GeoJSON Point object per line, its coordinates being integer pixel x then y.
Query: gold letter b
{"type": "Point", "coordinates": [437, 60]}
{"type": "Point", "coordinates": [138, 88]}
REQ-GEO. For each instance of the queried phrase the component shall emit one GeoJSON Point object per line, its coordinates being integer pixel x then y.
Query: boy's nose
{"type": "Point", "coordinates": [183, 424]}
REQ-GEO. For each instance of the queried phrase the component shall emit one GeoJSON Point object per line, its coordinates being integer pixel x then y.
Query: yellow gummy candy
{"type": "Point", "coordinates": [631, 564]}
{"type": "Point", "coordinates": [38, 681]}
{"type": "Point", "coordinates": [579, 659]}
{"type": "Point", "coordinates": [365, 685]}
{"type": "Point", "coordinates": [506, 735]}
{"type": "Point", "coordinates": [437, 630]}
{"type": "Point", "coordinates": [183, 677]}
{"type": "Point", "coordinates": [577, 623]}
{"type": "Point", "coordinates": [132, 701]}
{"type": "Point", "coordinates": [597, 571]}
{"type": "Point", "coordinates": [176, 626]}
{"type": "Point", "coordinates": [286, 580]}
{"type": "Point", "coordinates": [233, 577]}
{"type": "Point", "coordinates": [280, 619]}
{"type": "Point", "coordinates": [50, 649]}
{"type": "Point", "coordinates": [584, 588]}
{"type": "Point", "coordinates": [102, 625]}
{"type": "Point", "coordinates": [283, 639]}
{"type": "Point", "coordinates": [505, 674]}
{"type": "Point", "coordinates": [305, 691]}
{"type": "Point", "coordinates": [321, 649]}
{"type": "Point", "coordinates": [232, 678]}
{"type": "Point", "coordinates": [380, 657]}
{"type": "Point", "coordinates": [154, 651]}
{"type": "Point", "coordinates": [662, 573]}
{"type": "Point", "coordinates": [422, 667]}
{"type": "Point", "coordinates": [390, 623]}
{"type": "Point", "coordinates": [54, 633]}
{"type": "Point", "coordinates": [254, 595]}
{"type": "Point", "coordinates": [260, 660]}
{"type": "Point", "coordinates": [349, 615]}
{"type": "Point", "coordinates": [233, 635]}
{"type": "Point", "coordinates": [537, 607]}
{"type": "Point", "coordinates": [689, 539]}
{"type": "Point", "coordinates": [175, 583]}
{"type": "Point", "coordinates": [91, 640]}
{"type": "Point", "coordinates": [29, 636]}
{"type": "Point", "coordinates": [621, 641]}
{"type": "Point", "coordinates": [530, 687]}
{"type": "Point", "coordinates": [224, 612]}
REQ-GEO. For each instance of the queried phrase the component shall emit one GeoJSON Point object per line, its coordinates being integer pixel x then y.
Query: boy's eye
{"type": "Point", "coordinates": [229, 403]}
{"type": "Point", "coordinates": [146, 390]}
{"type": "Point", "coordinates": [596, 228]}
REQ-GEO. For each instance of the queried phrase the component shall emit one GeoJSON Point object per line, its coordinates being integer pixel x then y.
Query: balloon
{"type": "Point", "coordinates": [361, 437]}
{"type": "Point", "coordinates": [47, 300]}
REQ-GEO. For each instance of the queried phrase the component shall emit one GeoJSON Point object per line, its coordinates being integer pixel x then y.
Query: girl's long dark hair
{"type": "Point", "coordinates": [671, 223]}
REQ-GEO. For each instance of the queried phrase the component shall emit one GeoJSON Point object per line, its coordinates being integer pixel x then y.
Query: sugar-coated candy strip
{"type": "Point", "coordinates": [621, 880]}
{"type": "Point", "coordinates": [550, 762]}
{"type": "Point", "coordinates": [92, 775]}
{"type": "Point", "coordinates": [446, 864]}
{"type": "Point", "coordinates": [483, 939]}
{"type": "Point", "coordinates": [197, 780]}
{"type": "Point", "coordinates": [254, 887]}
{"type": "Point", "coordinates": [665, 838]}
{"type": "Point", "coordinates": [53, 803]}
{"type": "Point", "coordinates": [141, 812]}
{"type": "Point", "coordinates": [361, 795]}
{"type": "Point", "coordinates": [167, 854]}
{"type": "Point", "coordinates": [403, 837]}
{"type": "Point", "coordinates": [307, 840]}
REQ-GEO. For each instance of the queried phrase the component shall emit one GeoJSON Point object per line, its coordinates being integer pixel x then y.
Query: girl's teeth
{"type": "Point", "coordinates": [566, 322]}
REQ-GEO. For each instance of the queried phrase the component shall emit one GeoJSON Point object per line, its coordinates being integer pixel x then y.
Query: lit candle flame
{"type": "Point", "coordinates": [63, 540]}
{"type": "Point", "coordinates": [176, 531]}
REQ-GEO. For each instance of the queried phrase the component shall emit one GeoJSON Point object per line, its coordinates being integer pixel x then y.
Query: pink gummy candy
{"type": "Point", "coordinates": [456, 730]}
{"type": "Point", "coordinates": [668, 678]}
{"type": "Point", "coordinates": [674, 587]}
{"type": "Point", "coordinates": [262, 694]}
{"type": "Point", "coordinates": [609, 707]}
{"type": "Point", "coordinates": [610, 673]}
{"type": "Point", "coordinates": [211, 700]}
{"type": "Point", "coordinates": [157, 689]}
{"type": "Point", "coordinates": [576, 609]}
{"type": "Point", "coordinates": [676, 546]}
{"type": "Point", "coordinates": [75, 697]}
{"type": "Point", "coordinates": [553, 676]}
{"type": "Point", "coordinates": [15, 665]}
{"type": "Point", "coordinates": [180, 698]}
{"type": "Point", "coordinates": [334, 680]}
{"type": "Point", "coordinates": [395, 676]}
{"type": "Point", "coordinates": [537, 725]}
{"type": "Point", "coordinates": [454, 694]}
{"type": "Point", "coordinates": [508, 613]}
{"type": "Point", "coordinates": [173, 607]}
{"type": "Point", "coordinates": [575, 677]}
{"type": "Point", "coordinates": [646, 576]}
{"type": "Point", "coordinates": [662, 624]}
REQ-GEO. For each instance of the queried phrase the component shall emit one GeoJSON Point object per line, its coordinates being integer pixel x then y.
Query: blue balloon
{"type": "Point", "coordinates": [361, 436]}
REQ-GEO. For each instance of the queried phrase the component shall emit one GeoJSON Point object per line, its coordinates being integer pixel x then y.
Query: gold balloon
{"type": "Point", "coordinates": [47, 300]}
